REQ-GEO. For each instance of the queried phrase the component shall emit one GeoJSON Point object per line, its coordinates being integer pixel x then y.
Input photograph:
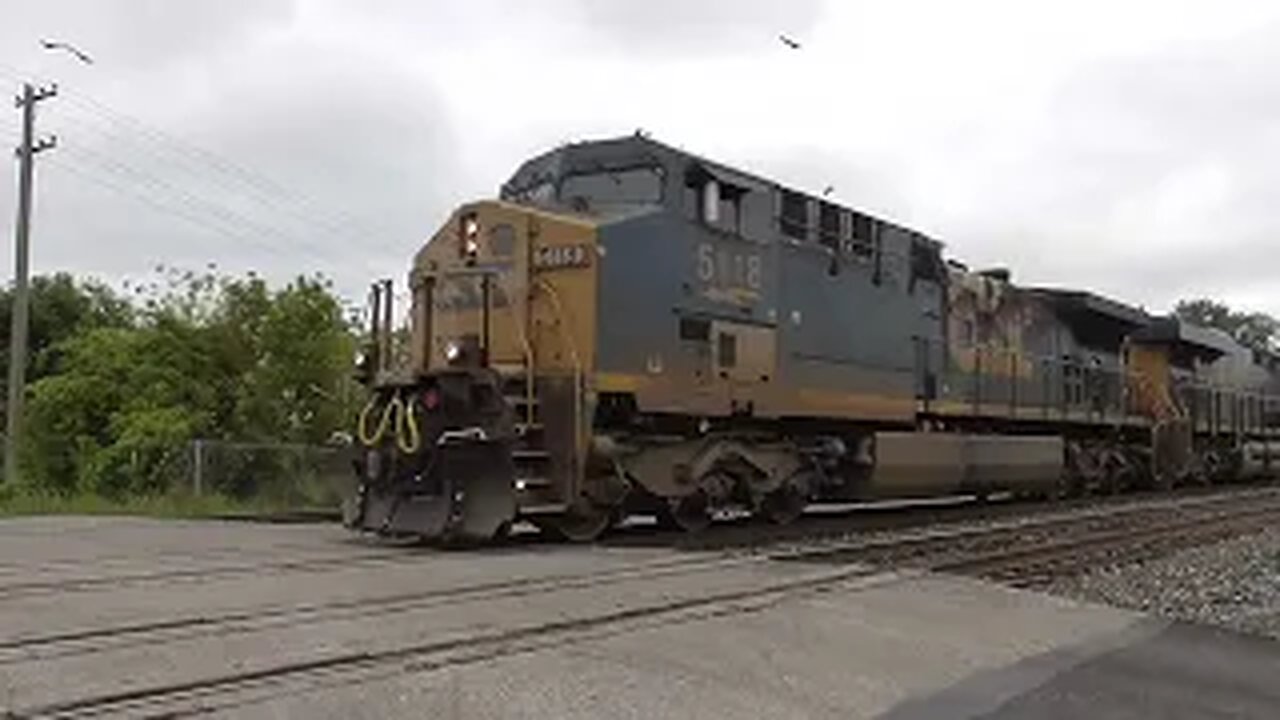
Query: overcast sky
{"type": "Point", "coordinates": [1132, 148]}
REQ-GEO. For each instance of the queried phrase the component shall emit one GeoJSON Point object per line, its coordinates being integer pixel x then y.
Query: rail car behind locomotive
{"type": "Point", "coordinates": [630, 328]}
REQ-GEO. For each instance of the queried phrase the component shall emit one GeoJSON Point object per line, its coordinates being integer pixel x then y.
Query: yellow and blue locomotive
{"type": "Point", "coordinates": [630, 328]}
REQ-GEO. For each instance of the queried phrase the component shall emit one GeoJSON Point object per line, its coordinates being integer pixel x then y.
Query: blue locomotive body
{"type": "Point", "coordinates": [695, 337]}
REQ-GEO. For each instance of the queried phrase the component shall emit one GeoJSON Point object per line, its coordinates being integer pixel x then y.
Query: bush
{"type": "Point", "coordinates": [213, 358]}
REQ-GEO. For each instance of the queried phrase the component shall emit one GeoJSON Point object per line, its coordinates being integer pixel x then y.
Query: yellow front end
{"type": "Point", "coordinates": [504, 296]}
{"type": "Point", "coordinates": [537, 271]}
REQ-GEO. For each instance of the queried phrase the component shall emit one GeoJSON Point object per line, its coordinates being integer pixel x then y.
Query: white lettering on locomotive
{"type": "Point", "coordinates": [729, 275]}
{"type": "Point", "coordinates": [555, 257]}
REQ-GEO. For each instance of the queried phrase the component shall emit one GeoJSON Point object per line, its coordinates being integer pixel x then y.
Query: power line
{"type": "Point", "coordinates": [192, 213]}
{"type": "Point", "coordinates": [209, 166]}
{"type": "Point", "coordinates": [229, 180]}
{"type": "Point", "coordinates": [251, 182]}
{"type": "Point", "coordinates": [120, 166]}
{"type": "Point", "coordinates": [162, 197]}
{"type": "Point", "coordinates": [134, 152]}
{"type": "Point", "coordinates": [126, 178]}
{"type": "Point", "coordinates": [168, 191]}
{"type": "Point", "coordinates": [167, 208]}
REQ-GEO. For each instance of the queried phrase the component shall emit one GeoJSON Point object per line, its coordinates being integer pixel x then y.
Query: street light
{"type": "Point", "coordinates": [20, 309]}
{"type": "Point", "coordinates": [67, 47]}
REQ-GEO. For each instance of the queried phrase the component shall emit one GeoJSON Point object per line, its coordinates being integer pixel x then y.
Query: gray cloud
{"type": "Point", "coordinates": [1148, 175]}
{"type": "Point", "coordinates": [293, 158]}
{"type": "Point", "coordinates": [382, 164]}
{"type": "Point", "coordinates": [688, 29]}
{"type": "Point", "coordinates": [144, 33]}
{"type": "Point", "coordinates": [1150, 178]}
{"type": "Point", "coordinates": [698, 28]}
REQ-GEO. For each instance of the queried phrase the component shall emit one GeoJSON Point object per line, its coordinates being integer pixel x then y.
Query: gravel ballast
{"type": "Point", "coordinates": [1234, 584]}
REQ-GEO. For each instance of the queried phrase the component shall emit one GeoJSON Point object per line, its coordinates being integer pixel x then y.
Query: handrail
{"type": "Point", "coordinates": [1160, 396]}
{"type": "Point", "coordinates": [577, 372]}
{"type": "Point", "coordinates": [527, 348]}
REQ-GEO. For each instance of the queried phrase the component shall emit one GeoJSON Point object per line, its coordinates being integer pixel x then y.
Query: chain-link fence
{"type": "Point", "coordinates": [273, 477]}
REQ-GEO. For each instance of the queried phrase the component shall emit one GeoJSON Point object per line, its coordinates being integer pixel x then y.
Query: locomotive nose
{"type": "Point", "coordinates": [438, 463]}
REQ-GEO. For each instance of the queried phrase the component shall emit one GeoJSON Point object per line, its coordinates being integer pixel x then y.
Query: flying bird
{"type": "Point", "coordinates": [81, 56]}
{"type": "Point", "coordinates": [789, 42]}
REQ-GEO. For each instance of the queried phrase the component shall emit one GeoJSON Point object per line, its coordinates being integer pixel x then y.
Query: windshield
{"type": "Point", "coordinates": [612, 189]}
{"type": "Point", "coordinates": [460, 315]}
{"type": "Point", "coordinates": [543, 193]}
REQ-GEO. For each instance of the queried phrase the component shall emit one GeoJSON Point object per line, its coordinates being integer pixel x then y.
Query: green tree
{"type": "Point", "coordinates": [88, 425]}
{"type": "Point", "coordinates": [60, 308]}
{"type": "Point", "coordinates": [305, 363]}
{"type": "Point", "coordinates": [204, 356]}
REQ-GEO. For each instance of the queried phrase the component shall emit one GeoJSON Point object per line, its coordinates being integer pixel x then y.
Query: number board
{"type": "Point", "coordinates": [555, 257]}
{"type": "Point", "coordinates": [729, 274]}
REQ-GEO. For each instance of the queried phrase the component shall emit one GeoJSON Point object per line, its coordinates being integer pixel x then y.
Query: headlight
{"type": "Point", "coordinates": [452, 351]}
{"type": "Point", "coordinates": [471, 236]}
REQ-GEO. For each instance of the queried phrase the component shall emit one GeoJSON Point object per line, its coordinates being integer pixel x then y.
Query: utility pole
{"type": "Point", "coordinates": [31, 95]}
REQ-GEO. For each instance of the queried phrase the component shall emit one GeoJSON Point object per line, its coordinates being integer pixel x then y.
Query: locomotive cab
{"type": "Point", "coordinates": [476, 422]}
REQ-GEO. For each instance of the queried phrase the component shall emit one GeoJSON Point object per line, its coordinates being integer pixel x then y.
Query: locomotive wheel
{"type": "Point", "coordinates": [1212, 468]}
{"type": "Point", "coordinates": [691, 513]}
{"type": "Point", "coordinates": [580, 524]}
{"type": "Point", "coordinates": [784, 505]}
{"type": "Point", "coordinates": [1111, 473]}
{"type": "Point", "coordinates": [503, 533]}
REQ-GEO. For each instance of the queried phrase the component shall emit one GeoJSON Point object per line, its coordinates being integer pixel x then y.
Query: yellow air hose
{"type": "Point", "coordinates": [397, 412]}
{"type": "Point", "coordinates": [362, 427]}
{"type": "Point", "coordinates": [408, 438]}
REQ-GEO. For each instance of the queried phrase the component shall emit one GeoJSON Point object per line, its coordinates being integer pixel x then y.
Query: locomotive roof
{"type": "Point", "coordinates": [636, 150]}
{"type": "Point", "coordinates": [1078, 307]}
{"type": "Point", "coordinates": [1085, 303]}
{"type": "Point", "coordinates": [1082, 308]}
{"type": "Point", "coordinates": [1204, 341]}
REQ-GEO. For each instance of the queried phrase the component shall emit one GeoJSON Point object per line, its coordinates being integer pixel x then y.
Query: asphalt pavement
{"type": "Point", "coordinates": [128, 617]}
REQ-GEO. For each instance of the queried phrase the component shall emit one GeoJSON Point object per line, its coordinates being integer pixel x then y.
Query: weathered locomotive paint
{"type": "Point", "coordinates": [672, 335]}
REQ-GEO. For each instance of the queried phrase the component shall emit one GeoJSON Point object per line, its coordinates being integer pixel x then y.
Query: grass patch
{"type": "Point", "coordinates": [15, 502]}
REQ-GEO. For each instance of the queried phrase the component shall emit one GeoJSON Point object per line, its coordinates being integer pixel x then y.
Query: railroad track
{"type": "Point", "coordinates": [1020, 552]}
{"type": "Point", "coordinates": [207, 573]}
{"type": "Point", "coordinates": [725, 537]}
{"type": "Point", "coordinates": [1038, 564]}
{"type": "Point", "coordinates": [1009, 551]}
{"type": "Point", "coordinates": [63, 644]}
{"type": "Point", "coordinates": [864, 519]}
{"type": "Point", "coordinates": [888, 549]}
{"type": "Point", "coordinates": [213, 552]}
{"type": "Point", "coordinates": [233, 689]}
